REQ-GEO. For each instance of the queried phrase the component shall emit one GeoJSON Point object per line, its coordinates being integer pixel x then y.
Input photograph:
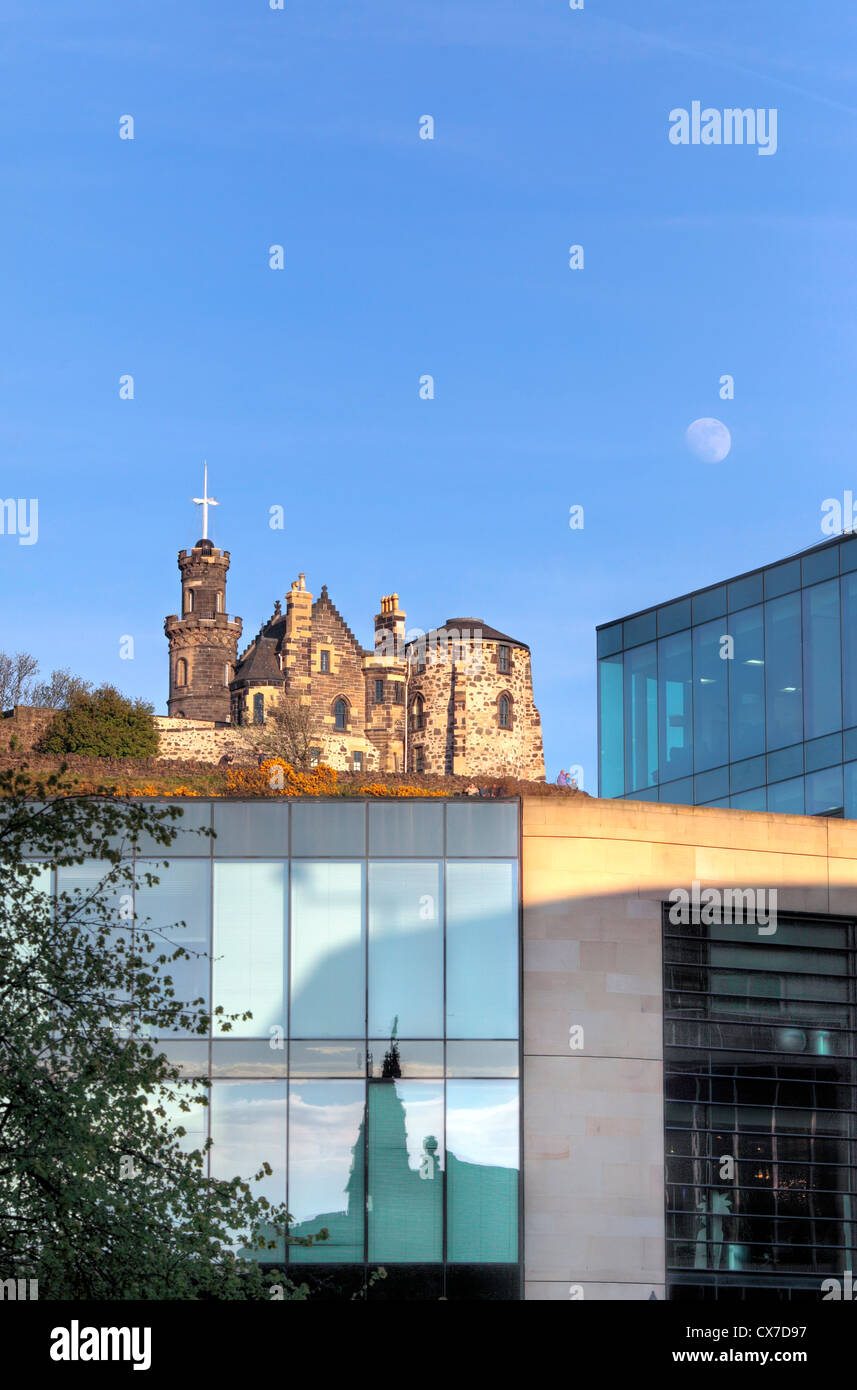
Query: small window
{"type": "Point", "coordinates": [419, 760]}
{"type": "Point", "coordinates": [325, 661]}
{"type": "Point", "coordinates": [379, 692]}
{"type": "Point", "coordinates": [419, 712]}
{"type": "Point", "coordinates": [398, 693]}
{"type": "Point", "coordinates": [503, 659]}
{"type": "Point", "coordinates": [314, 757]}
{"type": "Point", "coordinates": [227, 674]}
{"type": "Point", "coordinates": [505, 712]}
{"type": "Point", "coordinates": [258, 709]}
{"type": "Point", "coordinates": [218, 602]}
{"type": "Point", "coordinates": [358, 762]}
{"type": "Point", "coordinates": [181, 671]}
{"type": "Point", "coordinates": [340, 714]}
{"type": "Point", "coordinates": [188, 600]}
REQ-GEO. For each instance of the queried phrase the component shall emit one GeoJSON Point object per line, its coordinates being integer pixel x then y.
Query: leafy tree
{"type": "Point", "coordinates": [98, 1199]}
{"type": "Point", "coordinates": [103, 724]}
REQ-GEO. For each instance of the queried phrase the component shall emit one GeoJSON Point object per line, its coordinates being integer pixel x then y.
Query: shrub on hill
{"type": "Point", "coordinates": [103, 724]}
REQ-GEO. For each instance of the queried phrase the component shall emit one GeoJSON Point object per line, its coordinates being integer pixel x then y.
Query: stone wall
{"type": "Point", "coordinates": [25, 723]}
{"type": "Point", "coordinates": [199, 739]}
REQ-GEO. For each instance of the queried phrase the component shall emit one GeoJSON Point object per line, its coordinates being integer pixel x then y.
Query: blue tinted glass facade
{"type": "Point", "coordinates": [748, 697]}
{"type": "Point", "coordinates": [377, 948]}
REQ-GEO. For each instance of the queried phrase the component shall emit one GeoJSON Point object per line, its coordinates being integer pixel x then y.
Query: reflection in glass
{"type": "Point", "coordinates": [195, 817]}
{"type": "Point", "coordinates": [413, 1059]}
{"type": "Point", "coordinates": [482, 1059]}
{"type": "Point", "coordinates": [328, 950]}
{"type": "Point", "coordinates": [482, 1170]}
{"type": "Point", "coordinates": [612, 765]}
{"type": "Point", "coordinates": [181, 894]}
{"type": "Point", "coordinates": [323, 829]}
{"type": "Point", "coordinates": [326, 1164]}
{"type": "Point", "coordinates": [248, 1129]}
{"type": "Point", "coordinates": [481, 950]}
{"type": "Point", "coordinates": [822, 654]}
{"type": "Point", "coordinates": [327, 1058]}
{"type": "Point", "coordinates": [405, 1210]}
{"type": "Point", "coordinates": [193, 1120]}
{"type": "Point", "coordinates": [249, 945]}
{"type": "Point", "coordinates": [747, 684]}
{"type": "Point", "coordinates": [406, 948]}
{"type": "Point", "coordinates": [710, 698]}
{"type": "Point", "coordinates": [675, 714]}
{"type": "Point", "coordinates": [249, 1057]}
{"type": "Point", "coordinates": [849, 650]}
{"type": "Point", "coordinates": [641, 717]}
{"type": "Point", "coordinates": [783, 667]}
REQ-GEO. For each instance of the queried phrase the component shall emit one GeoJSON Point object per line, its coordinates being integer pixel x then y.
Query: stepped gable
{"type": "Point", "coordinates": [324, 604]}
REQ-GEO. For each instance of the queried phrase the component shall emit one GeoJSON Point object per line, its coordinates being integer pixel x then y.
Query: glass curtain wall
{"type": "Point", "coordinates": [744, 695]}
{"type": "Point", "coordinates": [376, 948]}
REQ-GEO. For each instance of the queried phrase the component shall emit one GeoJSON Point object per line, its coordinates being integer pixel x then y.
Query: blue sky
{"type": "Point", "coordinates": [406, 257]}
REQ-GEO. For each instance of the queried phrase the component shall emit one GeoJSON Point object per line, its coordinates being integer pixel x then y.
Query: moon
{"type": "Point", "coordinates": [709, 439]}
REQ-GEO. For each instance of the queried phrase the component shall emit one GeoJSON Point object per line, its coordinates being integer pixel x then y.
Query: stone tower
{"type": "Point", "coordinates": [204, 640]}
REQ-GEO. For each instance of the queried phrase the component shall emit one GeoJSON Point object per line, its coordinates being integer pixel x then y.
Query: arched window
{"type": "Point", "coordinates": [188, 600]}
{"type": "Point", "coordinates": [340, 714]}
{"type": "Point", "coordinates": [181, 671]}
{"type": "Point", "coordinates": [419, 712]}
{"type": "Point", "coordinates": [505, 712]}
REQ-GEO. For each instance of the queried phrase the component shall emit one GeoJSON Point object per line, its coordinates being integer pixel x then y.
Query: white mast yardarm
{"type": "Point", "coordinates": [205, 502]}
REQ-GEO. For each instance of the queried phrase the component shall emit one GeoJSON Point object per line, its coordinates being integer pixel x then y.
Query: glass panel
{"type": "Point", "coordinates": [848, 556]}
{"type": "Point", "coordinates": [710, 698]}
{"type": "Point", "coordinates": [749, 801]}
{"type": "Point", "coordinates": [748, 775]}
{"type": "Point", "coordinates": [182, 894]}
{"type": "Point", "coordinates": [407, 829]}
{"type": "Point", "coordinates": [190, 1057]}
{"type": "Point", "coordinates": [673, 617]}
{"type": "Point", "coordinates": [640, 629]}
{"type": "Point", "coordinates": [741, 593]}
{"type": "Point", "coordinates": [849, 745]}
{"type": "Point", "coordinates": [481, 831]}
{"type": "Point", "coordinates": [247, 830]}
{"type": "Point", "coordinates": [612, 764]}
{"type": "Point", "coordinates": [677, 793]}
{"type": "Point", "coordinates": [851, 791]}
{"type": "Point", "coordinates": [248, 1129]}
{"type": "Point", "coordinates": [849, 649]}
{"type": "Point", "coordinates": [822, 565]}
{"type": "Point", "coordinates": [648, 794]}
{"type": "Point", "coordinates": [609, 640]}
{"type": "Point", "coordinates": [782, 579]}
{"type": "Point", "coordinates": [711, 604]}
{"type": "Point", "coordinates": [641, 718]}
{"type": "Point", "coordinates": [787, 797]}
{"type": "Point", "coordinates": [787, 762]}
{"type": "Point", "coordinates": [407, 1058]}
{"type": "Point", "coordinates": [822, 647]}
{"type": "Point", "coordinates": [325, 829]}
{"type": "Point", "coordinates": [328, 950]}
{"type": "Point", "coordinates": [481, 950]}
{"type": "Point", "coordinates": [326, 1058]}
{"type": "Point", "coordinates": [405, 949]}
{"type": "Point", "coordinates": [783, 666]}
{"type": "Point", "coordinates": [193, 1120]}
{"type": "Point", "coordinates": [712, 784]}
{"type": "Point", "coordinates": [405, 1207]}
{"type": "Point", "coordinates": [482, 1171]}
{"type": "Point", "coordinates": [675, 715]}
{"type": "Point", "coordinates": [326, 1169]}
{"type": "Point", "coordinates": [249, 1057]}
{"type": "Point", "coordinates": [250, 946]}
{"type": "Point", "coordinates": [482, 1059]}
{"type": "Point", "coordinates": [195, 816]}
{"type": "Point", "coordinates": [824, 792]}
{"type": "Point", "coordinates": [823, 752]}
{"type": "Point", "coordinates": [747, 684]}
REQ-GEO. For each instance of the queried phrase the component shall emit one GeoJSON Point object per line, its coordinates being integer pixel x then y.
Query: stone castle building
{"type": "Point", "coordinates": [455, 700]}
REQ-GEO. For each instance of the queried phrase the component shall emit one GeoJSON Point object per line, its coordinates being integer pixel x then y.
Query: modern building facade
{"type": "Point", "coordinates": [743, 694]}
{"type": "Point", "coordinates": [556, 1049]}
